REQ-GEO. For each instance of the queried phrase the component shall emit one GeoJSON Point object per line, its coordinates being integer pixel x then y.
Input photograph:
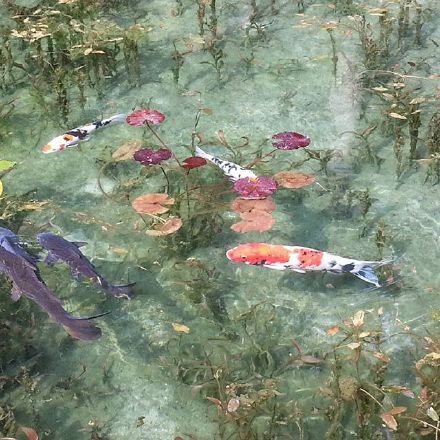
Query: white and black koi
{"type": "Point", "coordinates": [72, 137]}
{"type": "Point", "coordinates": [232, 171]}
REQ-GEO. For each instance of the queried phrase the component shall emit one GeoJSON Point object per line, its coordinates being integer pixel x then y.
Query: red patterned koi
{"type": "Point", "coordinates": [302, 259]}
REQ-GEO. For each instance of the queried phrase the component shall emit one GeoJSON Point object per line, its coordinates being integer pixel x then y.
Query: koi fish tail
{"type": "Point", "coordinates": [83, 330]}
{"type": "Point", "coordinates": [124, 291]}
{"type": "Point", "coordinates": [367, 274]}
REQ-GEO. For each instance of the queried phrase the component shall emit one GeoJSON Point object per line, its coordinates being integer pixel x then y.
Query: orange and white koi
{"type": "Point", "coordinates": [232, 171]}
{"type": "Point", "coordinates": [302, 259]}
{"type": "Point", "coordinates": [72, 137]}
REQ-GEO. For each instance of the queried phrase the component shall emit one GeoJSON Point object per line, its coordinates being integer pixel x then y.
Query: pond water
{"type": "Point", "coordinates": [207, 348]}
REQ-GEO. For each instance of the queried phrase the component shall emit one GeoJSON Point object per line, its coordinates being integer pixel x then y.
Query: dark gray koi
{"type": "Point", "coordinates": [26, 281]}
{"type": "Point", "coordinates": [61, 249]}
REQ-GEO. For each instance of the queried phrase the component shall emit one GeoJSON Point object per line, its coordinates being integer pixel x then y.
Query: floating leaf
{"type": "Point", "coordinates": [193, 162]}
{"type": "Point", "coordinates": [397, 116]}
{"type": "Point", "coordinates": [255, 188]}
{"type": "Point", "coordinates": [246, 205]}
{"type": "Point", "coordinates": [30, 433]}
{"type": "Point", "coordinates": [381, 356]}
{"type": "Point", "coordinates": [152, 203]}
{"type": "Point", "coordinates": [397, 410]}
{"type": "Point", "coordinates": [127, 150]}
{"type": "Point", "coordinates": [214, 401]}
{"type": "Point", "coordinates": [333, 330]}
{"type": "Point", "coordinates": [432, 414]}
{"type": "Point", "coordinates": [254, 221]}
{"type": "Point", "coordinates": [1, 188]}
{"type": "Point", "coordinates": [6, 165]}
{"type": "Point", "coordinates": [358, 318]}
{"type": "Point", "coordinates": [172, 225]}
{"type": "Point", "coordinates": [353, 345]}
{"type": "Point", "coordinates": [233, 405]}
{"type": "Point", "coordinates": [292, 180]}
{"type": "Point", "coordinates": [389, 420]}
{"type": "Point", "coordinates": [88, 51]}
{"type": "Point", "coordinates": [180, 328]}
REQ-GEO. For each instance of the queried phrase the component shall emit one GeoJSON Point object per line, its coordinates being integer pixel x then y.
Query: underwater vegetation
{"type": "Point", "coordinates": [208, 349]}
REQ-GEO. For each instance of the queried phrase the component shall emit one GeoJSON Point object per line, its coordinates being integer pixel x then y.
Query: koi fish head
{"type": "Point", "coordinates": [258, 253]}
{"type": "Point", "coordinates": [60, 143]}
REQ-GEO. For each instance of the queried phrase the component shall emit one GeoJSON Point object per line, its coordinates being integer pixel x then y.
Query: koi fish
{"type": "Point", "coordinates": [232, 171]}
{"type": "Point", "coordinates": [72, 137]}
{"type": "Point", "coordinates": [26, 281]}
{"type": "Point", "coordinates": [11, 242]}
{"type": "Point", "coordinates": [302, 260]}
{"type": "Point", "coordinates": [68, 251]}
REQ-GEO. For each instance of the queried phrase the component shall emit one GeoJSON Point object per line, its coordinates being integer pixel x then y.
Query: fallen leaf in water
{"type": "Point", "coordinates": [1, 187]}
{"type": "Point", "coordinates": [333, 330]}
{"type": "Point", "coordinates": [358, 318]}
{"type": "Point", "coordinates": [180, 328]}
{"type": "Point", "coordinates": [214, 401]}
{"type": "Point", "coordinates": [292, 180]}
{"type": "Point", "coordinates": [152, 203]}
{"type": "Point", "coordinates": [126, 151]}
{"type": "Point", "coordinates": [396, 116]}
{"type": "Point", "coordinates": [172, 225]}
{"type": "Point", "coordinates": [432, 414]}
{"type": "Point", "coordinates": [243, 205]}
{"type": "Point", "coordinates": [6, 165]}
{"type": "Point", "coordinates": [389, 420]}
{"type": "Point", "coordinates": [30, 433]}
{"type": "Point", "coordinates": [254, 220]}
{"type": "Point", "coordinates": [397, 410]}
{"type": "Point", "coordinates": [233, 405]}
{"type": "Point", "coordinates": [381, 356]}
{"type": "Point", "coordinates": [353, 345]}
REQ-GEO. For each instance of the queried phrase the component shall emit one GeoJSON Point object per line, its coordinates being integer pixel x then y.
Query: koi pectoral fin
{"type": "Point", "coordinates": [15, 293]}
{"type": "Point", "coordinates": [298, 270]}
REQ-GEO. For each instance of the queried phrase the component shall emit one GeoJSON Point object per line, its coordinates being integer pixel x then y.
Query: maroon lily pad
{"type": "Point", "coordinates": [255, 188]}
{"type": "Point", "coordinates": [193, 162]}
{"type": "Point", "coordinates": [142, 116]}
{"type": "Point", "coordinates": [290, 140]}
{"type": "Point", "coordinates": [147, 156]}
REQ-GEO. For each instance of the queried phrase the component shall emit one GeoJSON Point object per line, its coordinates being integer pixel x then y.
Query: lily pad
{"type": "Point", "coordinates": [126, 151]}
{"type": "Point", "coordinates": [292, 180]}
{"type": "Point", "coordinates": [152, 203]}
{"type": "Point", "coordinates": [172, 225]}
{"type": "Point", "coordinates": [254, 220]}
{"type": "Point", "coordinates": [246, 205]}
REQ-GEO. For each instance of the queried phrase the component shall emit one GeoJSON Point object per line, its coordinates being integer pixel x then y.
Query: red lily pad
{"type": "Point", "coordinates": [152, 203]}
{"type": "Point", "coordinates": [142, 116]}
{"type": "Point", "coordinates": [193, 162]}
{"type": "Point", "coordinates": [292, 180]}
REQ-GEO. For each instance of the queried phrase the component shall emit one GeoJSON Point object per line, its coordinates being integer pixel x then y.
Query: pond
{"type": "Point", "coordinates": [210, 347]}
